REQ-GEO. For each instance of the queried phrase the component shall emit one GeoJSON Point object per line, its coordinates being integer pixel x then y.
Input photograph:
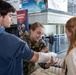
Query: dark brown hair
{"type": "Point", "coordinates": [5, 7]}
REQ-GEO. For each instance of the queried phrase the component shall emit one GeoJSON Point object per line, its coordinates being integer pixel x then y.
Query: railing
{"type": "Point", "coordinates": [60, 44]}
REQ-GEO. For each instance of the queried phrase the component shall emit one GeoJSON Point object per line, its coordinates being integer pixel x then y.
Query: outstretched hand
{"type": "Point", "coordinates": [52, 62]}
{"type": "Point", "coordinates": [44, 50]}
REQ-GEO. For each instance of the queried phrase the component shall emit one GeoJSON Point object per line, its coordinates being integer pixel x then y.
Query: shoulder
{"type": "Point", "coordinates": [72, 53]}
{"type": "Point", "coordinates": [11, 38]}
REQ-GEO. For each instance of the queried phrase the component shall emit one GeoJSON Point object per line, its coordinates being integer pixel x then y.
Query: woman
{"type": "Point", "coordinates": [35, 42]}
{"type": "Point", "coordinates": [34, 37]}
{"type": "Point", "coordinates": [69, 64]}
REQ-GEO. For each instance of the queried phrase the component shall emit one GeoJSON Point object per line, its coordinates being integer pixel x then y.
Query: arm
{"type": "Point", "coordinates": [42, 46]}
{"type": "Point", "coordinates": [35, 57]}
{"type": "Point", "coordinates": [38, 57]}
{"type": "Point", "coordinates": [44, 50]}
{"type": "Point", "coordinates": [43, 57]}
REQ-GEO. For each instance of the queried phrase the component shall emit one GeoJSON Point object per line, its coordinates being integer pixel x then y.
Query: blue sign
{"type": "Point", "coordinates": [24, 1]}
{"type": "Point", "coordinates": [34, 5]}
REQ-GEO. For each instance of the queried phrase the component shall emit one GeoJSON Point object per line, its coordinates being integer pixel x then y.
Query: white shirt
{"type": "Point", "coordinates": [71, 62]}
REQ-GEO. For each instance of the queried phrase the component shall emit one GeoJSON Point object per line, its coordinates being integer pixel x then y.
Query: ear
{"type": "Point", "coordinates": [0, 16]}
{"type": "Point", "coordinates": [31, 30]}
{"type": "Point", "coordinates": [0, 19]}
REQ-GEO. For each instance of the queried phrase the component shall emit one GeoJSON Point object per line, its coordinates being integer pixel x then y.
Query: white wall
{"type": "Point", "coordinates": [37, 17]}
{"type": "Point", "coordinates": [58, 18]}
{"type": "Point", "coordinates": [49, 29]}
{"type": "Point", "coordinates": [48, 17]}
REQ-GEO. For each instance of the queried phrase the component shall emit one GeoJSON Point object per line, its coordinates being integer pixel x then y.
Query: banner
{"type": "Point", "coordinates": [22, 21]}
{"type": "Point", "coordinates": [34, 5]}
{"type": "Point", "coordinates": [43, 5]}
{"type": "Point", "coordinates": [61, 5]}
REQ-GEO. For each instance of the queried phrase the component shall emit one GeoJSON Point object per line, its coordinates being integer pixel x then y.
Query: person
{"type": "Point", "coordinates": [69, 64]}
{"type": "Point", "coordinates": [36, 43]}
{"type": "Point", "coordinates": [51, 41]}
{"type": "Point", "coordinates": [12, 48]}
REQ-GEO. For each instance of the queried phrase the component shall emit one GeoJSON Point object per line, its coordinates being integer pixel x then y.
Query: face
{"type": "Point", "coordinates": [36, 34]}
{"type": "Point", "coordinates": [68, 34]}
{"type": "Point", "coordinates": [6, 20]}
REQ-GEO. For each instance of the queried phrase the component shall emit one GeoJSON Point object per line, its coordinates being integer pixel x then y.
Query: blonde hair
{"type": "Point", "coordinates": [71, 27]}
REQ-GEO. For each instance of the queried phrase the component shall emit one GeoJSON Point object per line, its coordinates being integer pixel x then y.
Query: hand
{"type": "Point", "coordinates": [52, 62]}
{"type": "Point", "coordinates": [46, 57]}
{"type": "Point", "coordinates": [44, 50]}
{"type": "Point", "coordinates": [52, 54]}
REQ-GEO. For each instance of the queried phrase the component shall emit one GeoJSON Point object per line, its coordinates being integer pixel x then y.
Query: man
{"type": "Point", "coordinates": [13, 49]}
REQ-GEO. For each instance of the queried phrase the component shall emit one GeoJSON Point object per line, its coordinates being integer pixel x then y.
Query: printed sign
{"type": "Point", "coordinates": [22, 20]}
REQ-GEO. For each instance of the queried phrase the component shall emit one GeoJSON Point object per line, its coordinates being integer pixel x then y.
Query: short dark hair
{"type": "Point", "coordinates": [5, 7]}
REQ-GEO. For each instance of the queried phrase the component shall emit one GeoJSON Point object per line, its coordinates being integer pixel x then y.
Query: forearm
{"type": "Point", "coordinates": [35, 57]}
{"type": "Point", "coordinates": [42, 57]}
{"type": "Point", "coordinates": [44, 50]}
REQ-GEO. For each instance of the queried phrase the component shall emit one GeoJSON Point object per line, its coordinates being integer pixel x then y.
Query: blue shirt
{"type": "Point", "coordinates": [12, 50]}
